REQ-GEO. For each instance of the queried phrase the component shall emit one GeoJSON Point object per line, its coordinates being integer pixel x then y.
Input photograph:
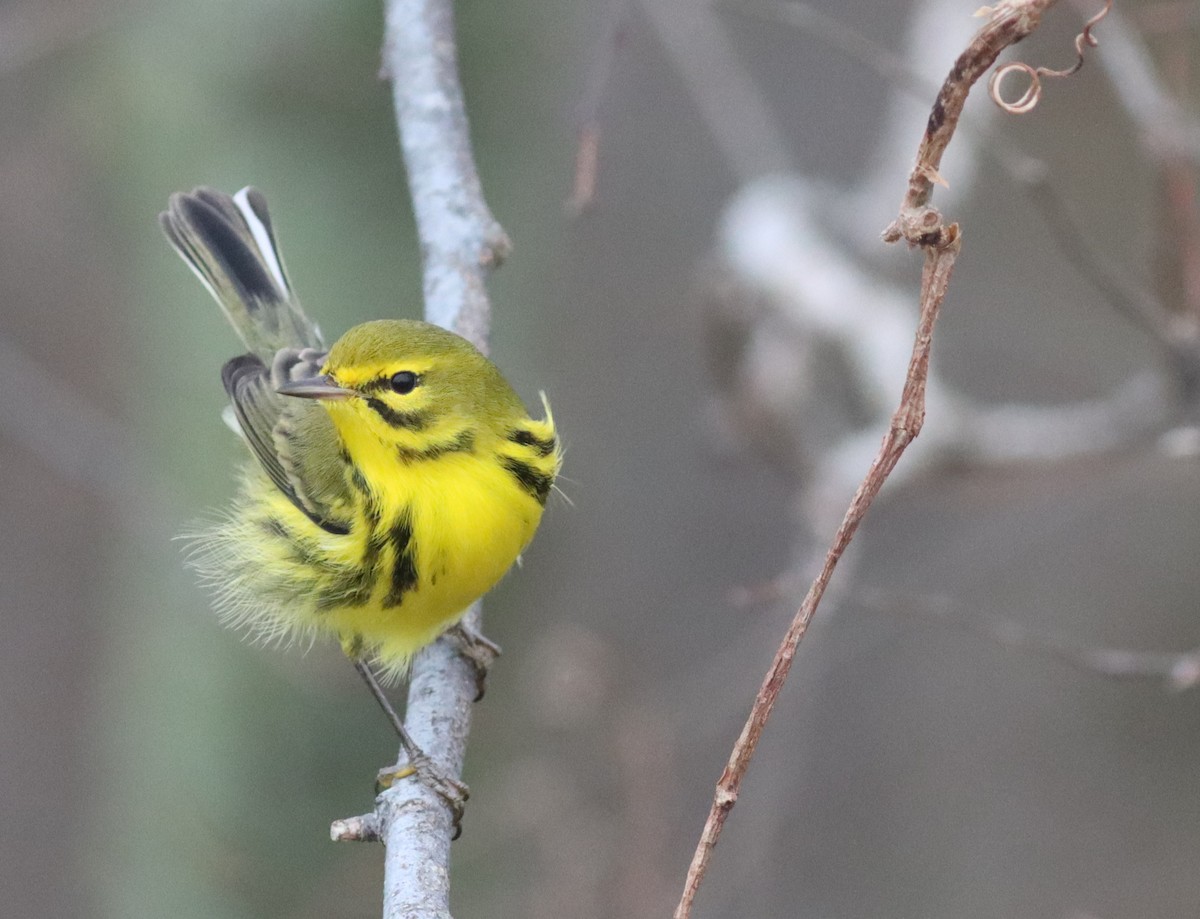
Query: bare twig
{"type": "Point", "coordinates": [364, 828]}
{"type": "Point", "coordinates": [920, 225]}
{"type": "Point", "coordinates": [460, 243]}
{"type": "Point", "coordinates": [905, 426]}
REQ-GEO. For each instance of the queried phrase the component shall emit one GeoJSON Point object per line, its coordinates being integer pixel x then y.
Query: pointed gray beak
{"type": "Point", "coordinates": [315, 388]}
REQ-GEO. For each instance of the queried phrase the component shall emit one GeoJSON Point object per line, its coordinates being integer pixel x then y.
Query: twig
{"type": "Point", "coordinates": [920, 225]}
{"type": "Point", "coordinates": [905, 426]}
{"type": "Point", "coordinates": [460, 243]}
{"type": "Point", "coordinates": [364, 828]}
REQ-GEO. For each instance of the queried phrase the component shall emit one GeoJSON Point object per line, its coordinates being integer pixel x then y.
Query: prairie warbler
{"type": "Point", "coordinates": [395, 476]}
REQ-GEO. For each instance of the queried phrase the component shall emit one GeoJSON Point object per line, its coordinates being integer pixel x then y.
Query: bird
{"type": "Point", "coordinates": [393, 479]}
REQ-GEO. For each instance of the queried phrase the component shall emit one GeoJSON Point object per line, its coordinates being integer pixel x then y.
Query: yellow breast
{"type": "Point", "coordinates": [437, 534]}
{"type": "Point", "coordinates": [431, 530]}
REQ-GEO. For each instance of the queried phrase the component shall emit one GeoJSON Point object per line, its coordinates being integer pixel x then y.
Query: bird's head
{"type": "Point", "coordinates": [408, 383]}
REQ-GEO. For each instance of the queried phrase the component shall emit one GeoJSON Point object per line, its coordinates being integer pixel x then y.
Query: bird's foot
{"type": "Point", "coordinates": [476, 647]}
{"type": "Point", "coordinates": [419, 766]}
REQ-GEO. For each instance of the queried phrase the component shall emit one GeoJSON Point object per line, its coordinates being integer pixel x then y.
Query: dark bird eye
{"type": "Point", "coordinates": [404, 382]}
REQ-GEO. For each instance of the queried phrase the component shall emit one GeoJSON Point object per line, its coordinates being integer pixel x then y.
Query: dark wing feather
{"type": "Point", "coordinates": [278, 429]}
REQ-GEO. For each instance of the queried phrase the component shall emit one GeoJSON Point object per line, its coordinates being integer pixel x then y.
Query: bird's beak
{"type": "Point", "coordinates": [315, 388]}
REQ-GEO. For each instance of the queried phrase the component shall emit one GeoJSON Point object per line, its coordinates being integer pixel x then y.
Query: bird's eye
{"type": "Point", "coordinates": [404, 382]}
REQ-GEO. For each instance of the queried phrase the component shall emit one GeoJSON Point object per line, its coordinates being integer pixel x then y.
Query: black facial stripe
{"type": "Point", "coordinates": [383, 384]}
{"type": "Point", "coordinates": [536, 483]}
{"type": "Point", "coordinates": [411, 421]}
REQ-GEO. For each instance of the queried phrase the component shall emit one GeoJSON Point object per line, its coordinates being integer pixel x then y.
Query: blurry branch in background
{"type": "Point", "coordinates": [32, 30]}
{"type": "Point", "coordinates": [805, 339]}
{"type": "Point", "coordinates": [1170, 138]}
{"type": "Point", "coordinates": [1176, 672]}
{"type": "Point", "coordinates": [1166, 128]}
{"type": "Point", "coordinates": [921, 226]}
{"type": "Point", "coordinates": [78, 440]}
{"type": "Point", "coordinates": [587, 150]}
{"type": "Point", "coordinates": [936, 31]}
{"type": "Point", "coordinates": [740, 122]}
{"type": "Point", "coordinates": [460, 243]}
{"type": "Point", "coordinates": [791, 278]}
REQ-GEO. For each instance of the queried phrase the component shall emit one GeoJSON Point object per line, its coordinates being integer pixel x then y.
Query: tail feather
{"type": "Point", "coordinates": [228, 242]}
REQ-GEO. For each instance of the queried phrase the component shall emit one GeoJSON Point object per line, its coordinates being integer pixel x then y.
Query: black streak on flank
{"type": "Point", "coordinates": [541, 446]}
{"type": "Point", "coordinates": [404, 567]}
{"type": "Point", "coordinates": [359, 481]}
{"type": "Point", "coordinates": [411, 421]}
{"type": "Point", "coordinates": [464, 442]}
{"type": "Point", "coordinates": [274, 527]}
{"type": "Point", "coordinates": [353, 586]}
{"type": "Point", "coordinates": [536, 483]}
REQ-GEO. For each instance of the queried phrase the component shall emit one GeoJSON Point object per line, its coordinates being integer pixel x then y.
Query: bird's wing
{"type": "Point", "coordinates": [293, 440]}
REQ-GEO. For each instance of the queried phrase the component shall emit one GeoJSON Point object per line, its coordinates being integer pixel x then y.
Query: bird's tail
{"type": "Point", "coordinates": [228, 242]}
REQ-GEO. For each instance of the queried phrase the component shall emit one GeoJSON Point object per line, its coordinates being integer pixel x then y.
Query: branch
{"type": "Point", "coordinates": [920, 225]}
{"type": "Point", "coordinates": [460, 244]}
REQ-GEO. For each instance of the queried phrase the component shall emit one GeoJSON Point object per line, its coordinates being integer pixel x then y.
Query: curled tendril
{"type": "Point", "coordinates": [1033, 92]}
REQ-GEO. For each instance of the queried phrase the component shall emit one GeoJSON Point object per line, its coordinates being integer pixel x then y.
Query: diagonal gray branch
{"type": "Point", "coordinates": [460, 244]}
{"type": "Point", "coordinates": [722, 89]}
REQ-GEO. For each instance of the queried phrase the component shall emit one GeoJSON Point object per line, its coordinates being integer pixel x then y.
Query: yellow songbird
{"type": "Point", "coordinates": [395, 477]}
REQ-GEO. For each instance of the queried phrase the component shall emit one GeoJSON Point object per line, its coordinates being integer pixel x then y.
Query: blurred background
{"type": "Point", "coordinates": [937, 752]}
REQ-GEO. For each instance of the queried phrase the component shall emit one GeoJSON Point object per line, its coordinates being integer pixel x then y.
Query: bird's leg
{"type": "Point", "coordinates": [476, 647]}
{"type": "Point", "coordinates": [418, 764]}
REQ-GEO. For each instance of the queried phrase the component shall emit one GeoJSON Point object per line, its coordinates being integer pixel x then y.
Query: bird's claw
{"type": "Point", "coordinates": [477, 648]}
{"type": "Point", "coordinates": [453, 792]}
